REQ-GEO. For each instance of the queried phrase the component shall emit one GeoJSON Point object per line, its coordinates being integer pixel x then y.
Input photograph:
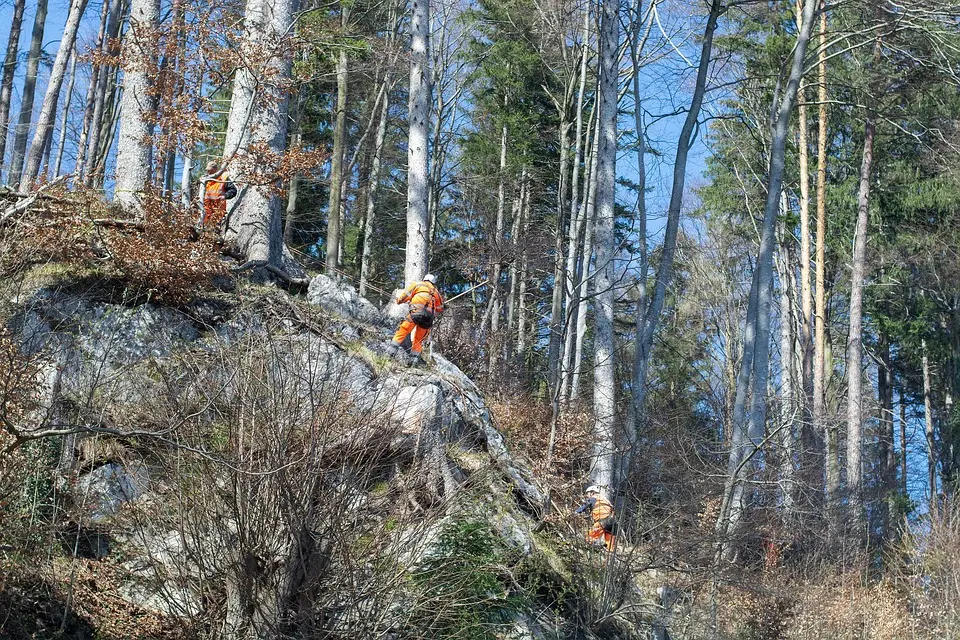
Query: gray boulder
{"type": "Point", "coordinates": [341, 299]}
{"type": "Point", "coordinates": [102, 493]}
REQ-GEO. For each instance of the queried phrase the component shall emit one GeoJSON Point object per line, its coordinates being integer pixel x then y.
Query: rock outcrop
{"type": "Point", "coordinates": [265, 441]}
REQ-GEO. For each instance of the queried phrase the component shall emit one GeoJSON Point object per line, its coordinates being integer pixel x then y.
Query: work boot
{"type": "Point", "coordinates": [393, 349]}
{"type": "Point", "coordinates": [416, 360]}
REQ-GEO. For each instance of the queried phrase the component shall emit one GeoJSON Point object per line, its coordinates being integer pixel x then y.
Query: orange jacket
{"type": "Point", "coordinates": [214, 186]}
{"type": "Point", "coordinates": [601, 509]}
{"type": "Point", "coordinates": [422, 295]}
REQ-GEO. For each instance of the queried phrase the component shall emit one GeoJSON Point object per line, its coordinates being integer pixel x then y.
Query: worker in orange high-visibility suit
{"type": "Point", "coordinates": [214, 196]}
{"type": "Point", "coordinates": [601, 513]}
{"type": "Point", "coordinates": [426, 304]}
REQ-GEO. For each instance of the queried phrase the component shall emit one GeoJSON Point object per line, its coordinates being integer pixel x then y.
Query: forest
{"type": "Point", "coordinates": [702, 254]}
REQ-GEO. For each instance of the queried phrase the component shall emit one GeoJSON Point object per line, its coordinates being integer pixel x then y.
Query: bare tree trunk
{"type": "Point", "coordinates": [48, 111]}
{"type": "Point", "coordinates": [137, 105]}
{"type": "Point", "coordinates": [66, 114]}
{"type": "Point", "coordinates": [928, 430]}
{"type": "Point", "coordinates": [806, 299]}
{"type": "Point", "coordinates": [903, 444]}
{"type": "Point", "coordinates": [255, 223]}
{"type": "Point", "coordinates": [651, 319]}
{"type": "Point", "coordinates": [748, 437]}
{"type": "Point", "coordinates": [885, 452]}
{"type": "Point", "coordinates": [587, 276]}
{"type": "Point", "coordinates": [559, 277]}
{"type": "Point", "coordinates": [27, 96]}
{"type": "Point", "coordinates": [820, 343]}
{"type": "Point", "coordinates": [514, 272]}
{"type": "Point", "coordinates": [604, 370]}
{"type": "Point", "coordinates": [638, 380]}
{"type": "Point", "coordinates": [109, 125]}
{"type": "Point", "coordinates": [373, 185]}
{"type": "Point", "coordinates": [524, 275]}
{"type": "Point", "coordinates": [9, 70]}
{"type": "Point", "coordinates": [418, 216]}
{"type": "Point", "coordinates": [855, 336]}
{"type": "Point", "coordinates": [575, 226]}
{"type": "Point", "coordinates": [575, 272]}
{"type": "Point", "coordinates": [290, 219]}
{"type": "Point", "coordinates": [788, 408]}
{"type": "Point", "coordinates": [492, 313]}
{"type": "Point", "coordinates": [336, 161]}
{"type": "Point", "coordinates": [99, 91]}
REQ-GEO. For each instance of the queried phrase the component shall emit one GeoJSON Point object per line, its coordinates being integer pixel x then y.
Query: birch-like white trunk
{"type": "Point", "coordinates": [255, 221]}
{"type": "Point", "coordinates": [373, 186]}
{"type": "Point", "coordinates": [137, 105]}
{"type": "Point", "coordinates": [604, 370]}
{"type": "Point", "coordinates": [58, 163]}
{"type": "Point", "coordinates": [336, 162]}
{"type": "Point", "coordinates": [418, 215]}
{"type": "Point", "coordinates": [586, 274]}
{"type": "Point", "coordinates": [929, 431]}
{"type": "Point", "coordinates": [22, 130]}
{"type": "Point", "coordinates": [9, 70]}
{"type": "Point", "coordinates": [99, 101]}
{"type": "Point", "coordinates": [855, 336]}
{"type": "Point", "coordinates": [43, 133]}
{"type": "Point", "coordinates": [788, 409]}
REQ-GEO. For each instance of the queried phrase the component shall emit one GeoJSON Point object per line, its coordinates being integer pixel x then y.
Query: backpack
{"type": "Point", "coordinates": [229, 190]}
{"type": "Point", "coordinates": [608, 524]}
{"type": "Point", "coordinates": [424, 316]}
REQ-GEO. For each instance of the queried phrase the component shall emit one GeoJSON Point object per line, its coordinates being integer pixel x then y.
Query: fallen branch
{"type": "Point", "coordinates": [25, 203]}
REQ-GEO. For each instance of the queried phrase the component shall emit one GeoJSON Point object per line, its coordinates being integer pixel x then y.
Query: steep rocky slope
{"type": "Point", "coordinates": [253, 465]}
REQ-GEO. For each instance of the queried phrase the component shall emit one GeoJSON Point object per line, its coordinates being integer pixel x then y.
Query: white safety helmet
{"type": "Point", "coordinates": [592, 489]}
{"type": "Point", "coordinates": [432, 279]}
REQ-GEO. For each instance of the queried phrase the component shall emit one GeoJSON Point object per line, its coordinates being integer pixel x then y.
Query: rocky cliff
{"type": "Point", "coordinates": [253, 465]}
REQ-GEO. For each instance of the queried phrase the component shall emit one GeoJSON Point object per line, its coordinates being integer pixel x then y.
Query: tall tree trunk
{"type": "Point", "coordinates": [929, 432]}
{"type": "Point", "coordinates": [575, 226]}
{"type": "Point", "coordinates": [492, 313]}
{"type": "Point", "coordinates": [514, 272]}
{"type": "Point", "coordinates": [9, 70]}
{"type": "Point", "coordinates": [748, 437]}
{"type": "Point", "coordinates": [110, 123]}
{"type": "Point", "coordinates": [903, 443]}
{"type": "Point", "coordinates": [806, 298]}
{"type": "Point", "coordinates": [27, 96]}
{"type": "Point", "coordinates": [418, 216]}
{"type": "Point", "coordinates": [855, 336]}
{"type": "Point", "coordinates": [336, 161]}
{"type": "Point", "coordinates": [99, 119]}
{"type": "Point", "coordinates": [820, 315]}
{"type": "Point", "coordinates": [788, 404]}
{"type": "Point", "coordinates": [373, 186]}
{"type": "Point", "coordinates": [575, 272]}
{"type": "Point", "coordinates": [587, 276]}
{"type": "Point", "coordinates": [137, 105]}
{"type": "Point", "coordinates": [255, 223]}
{"type": "Point", "coordinates": [885, 451]}
{"type": "Point", "coordinates": [524, 275]}
{"type": "Point", "coordinates": [48, 112]}
{"type": "Point", "coordinates": [61, 143]}
{"type": "Point", "coordinates": [290, 219]}
{"type": "Point", "coordinates": [644, 346]}
{"type": "Point", "coordinates": [604, 370]}
{"type": "Point", "coordinates": [638, 379]}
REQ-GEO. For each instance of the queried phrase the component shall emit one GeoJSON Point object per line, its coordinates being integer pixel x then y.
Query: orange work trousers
{"type": "Point", "coordinates": [214, 211]}
{"type": "Point", "coordinates": [597, 534]}
{"type": "Point", "coordinates": [419, 334]}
